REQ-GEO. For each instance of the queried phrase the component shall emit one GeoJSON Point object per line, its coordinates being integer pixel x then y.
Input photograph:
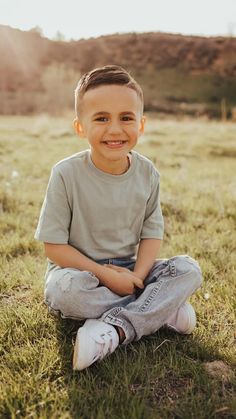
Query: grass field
{"type": "Point", "coordinates": [161, 376]}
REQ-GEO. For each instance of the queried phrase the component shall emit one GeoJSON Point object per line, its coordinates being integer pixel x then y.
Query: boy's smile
{"type": "Point", "coordinates": [111, 119]}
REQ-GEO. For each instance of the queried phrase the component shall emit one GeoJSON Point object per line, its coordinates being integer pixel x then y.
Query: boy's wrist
{"type": "Point", "coordinates": [103, 274]}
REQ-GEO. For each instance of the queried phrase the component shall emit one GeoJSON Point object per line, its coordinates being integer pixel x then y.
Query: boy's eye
{"type": "Point", "coordinates": [102, 119]}
{"type": "Point", "coordinates": [127, 118]}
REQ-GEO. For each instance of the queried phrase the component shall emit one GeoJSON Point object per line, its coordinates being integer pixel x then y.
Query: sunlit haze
{"type": "Point", "coordinates": [75, 19]}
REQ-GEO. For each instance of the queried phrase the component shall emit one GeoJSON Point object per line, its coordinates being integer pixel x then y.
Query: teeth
{"type": "Point", "coordinates": [114, 142]}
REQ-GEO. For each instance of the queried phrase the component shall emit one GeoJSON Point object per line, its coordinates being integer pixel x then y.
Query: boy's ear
{"type": "Point", "coordinates": [78, 128]}
{"type": "Point", "coordinates": [142, 124]}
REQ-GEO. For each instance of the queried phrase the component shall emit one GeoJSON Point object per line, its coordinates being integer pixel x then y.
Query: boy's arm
{"type": "Point", "coordinates": [148, 252]}
{"type": "Point", "coordinates": [67, 256]}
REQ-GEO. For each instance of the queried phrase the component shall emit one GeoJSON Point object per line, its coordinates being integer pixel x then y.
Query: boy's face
{"type": "Point", "coordinates": [111, 120]}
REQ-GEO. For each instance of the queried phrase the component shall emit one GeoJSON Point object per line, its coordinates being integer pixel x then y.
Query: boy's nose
{"type": "Point", "coordinates": [114, 127]}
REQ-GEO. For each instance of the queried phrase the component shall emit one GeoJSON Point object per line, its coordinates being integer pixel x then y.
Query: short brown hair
{"type": "Point", "coordinates": [109, 74]}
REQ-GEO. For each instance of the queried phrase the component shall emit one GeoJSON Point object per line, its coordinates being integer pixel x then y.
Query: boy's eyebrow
{"type": "Point", "coordinates": [128, 113]}
{"type": "Point", "coordinates": [100, 113]}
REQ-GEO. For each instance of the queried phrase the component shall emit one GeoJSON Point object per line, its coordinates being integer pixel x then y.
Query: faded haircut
{"type": "Point", "coordinates": [109, 74]}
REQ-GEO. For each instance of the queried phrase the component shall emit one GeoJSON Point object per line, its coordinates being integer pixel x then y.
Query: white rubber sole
{"type": "Point", "coordinates": [76, 353]}
{"type": "Point", "coordinates": [191, 320]}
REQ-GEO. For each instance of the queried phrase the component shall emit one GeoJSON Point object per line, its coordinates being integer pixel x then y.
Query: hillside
{"type": "Point", "coordinates": [183, 74]}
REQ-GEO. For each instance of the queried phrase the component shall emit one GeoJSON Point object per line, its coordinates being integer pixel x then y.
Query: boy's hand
{"type": "Point", "coordinates": [119, 280]}
{"type": "Point", "coordinates": [123, 281]}
{"type": "Point", "coordinates": [119, 269]}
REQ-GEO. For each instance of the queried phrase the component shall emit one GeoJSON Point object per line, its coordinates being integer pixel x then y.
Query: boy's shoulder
{"type": "Point", "coordinates": [72, 161]}
{"type": "Point", "coordinates": [146, 164]}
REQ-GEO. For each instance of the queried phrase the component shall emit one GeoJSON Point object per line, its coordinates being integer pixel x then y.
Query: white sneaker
{"type": "Point", "coordinates": [184, 320]}
{"type": "Point", "coordinates": [94, 341]}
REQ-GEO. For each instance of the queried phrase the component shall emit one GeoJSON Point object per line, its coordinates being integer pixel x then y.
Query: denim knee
{"type": "Point", "coordinates": [67, 291]}
{"type": "Point", "coordinates": [186, 264]}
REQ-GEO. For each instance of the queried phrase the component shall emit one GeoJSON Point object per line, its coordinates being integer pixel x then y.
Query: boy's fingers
{"type": "Point", "coordinates": [116, 268]}
{"type": "Point", "coordinates": [139, 283]}
{"type": "Point", "coordinates": [110, 266]}
{"type": "Point", "coordinates": [113, 267]}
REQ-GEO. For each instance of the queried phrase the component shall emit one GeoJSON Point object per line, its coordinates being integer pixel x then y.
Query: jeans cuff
{"type": "Point", "coordinates": [113, 319]}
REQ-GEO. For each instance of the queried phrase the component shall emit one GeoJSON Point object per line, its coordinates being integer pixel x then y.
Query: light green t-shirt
{"type": "Point", "coordinates": [101, 215]}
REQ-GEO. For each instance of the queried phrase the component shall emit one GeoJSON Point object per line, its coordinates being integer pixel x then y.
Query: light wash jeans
{"type": "Point", "coordinates": [78, 295]}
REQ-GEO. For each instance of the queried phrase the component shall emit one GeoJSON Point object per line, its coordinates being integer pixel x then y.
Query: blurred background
{"type": "Point", "coordinates": [182, 52]}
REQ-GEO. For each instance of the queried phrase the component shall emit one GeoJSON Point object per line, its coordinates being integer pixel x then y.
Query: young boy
{"type": "Point", "coordinates": [102, 226]}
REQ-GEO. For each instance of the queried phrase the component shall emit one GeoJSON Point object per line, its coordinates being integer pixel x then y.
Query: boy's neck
{"type": "Point", "coordinates": [113, 167]}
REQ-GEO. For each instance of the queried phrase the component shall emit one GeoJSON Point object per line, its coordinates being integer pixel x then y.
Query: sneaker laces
{"type": "Point", "coordinates": [106, 345]}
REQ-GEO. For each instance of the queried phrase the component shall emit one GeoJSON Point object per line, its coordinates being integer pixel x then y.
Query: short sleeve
{"type": "Point", "coordinates": [153, 225]}
{"type": "Point", "coordinates": [55, 216]}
